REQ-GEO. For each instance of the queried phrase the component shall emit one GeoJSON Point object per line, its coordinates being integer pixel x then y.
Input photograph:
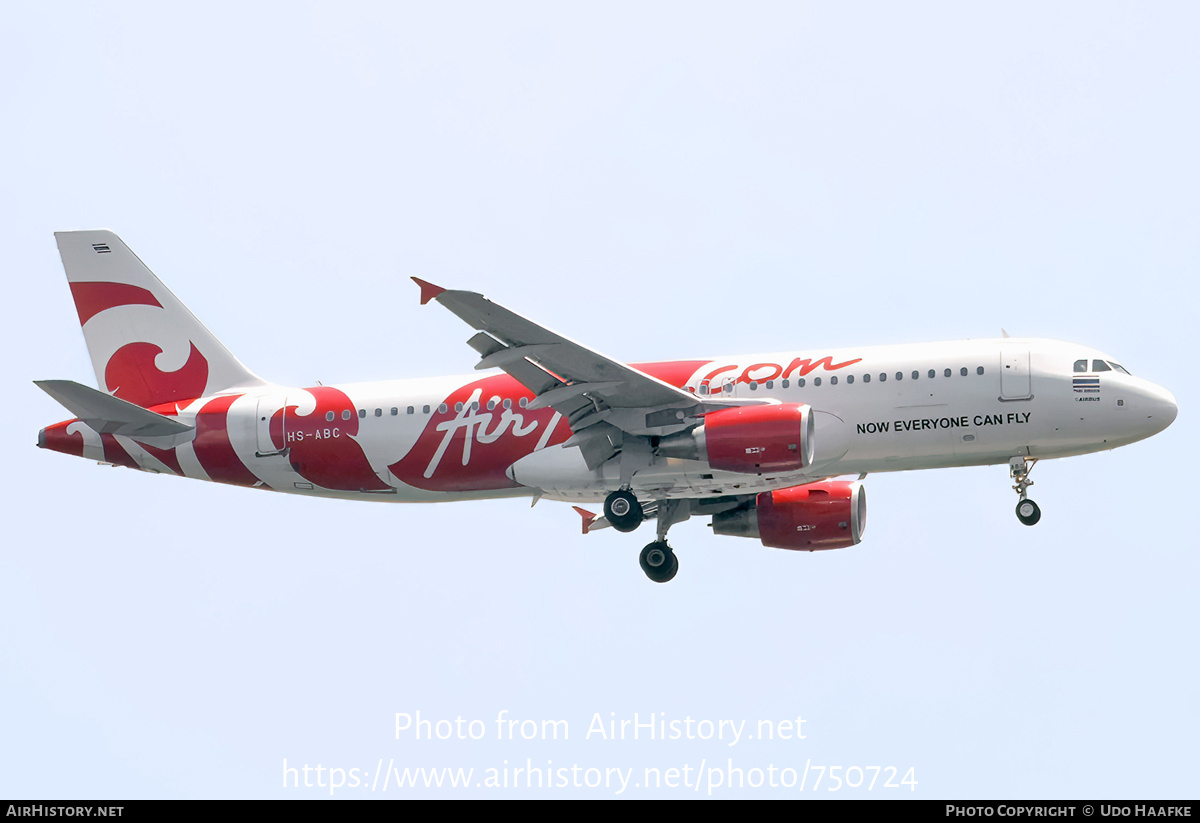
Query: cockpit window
{"type": "Point", "coordinates": [1118, 367]}
{"type": "Point", "coordinates": [1100, 365]}
{"type": "Point", "coordinates": [1080, 365]}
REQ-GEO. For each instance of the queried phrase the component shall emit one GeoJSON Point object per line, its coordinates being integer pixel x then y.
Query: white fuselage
{"type": "Point", "coordinates": [885, 408]}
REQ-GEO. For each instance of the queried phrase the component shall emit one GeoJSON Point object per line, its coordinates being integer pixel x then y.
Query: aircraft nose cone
{"type": "Point", "coordinates": [1161, 408]}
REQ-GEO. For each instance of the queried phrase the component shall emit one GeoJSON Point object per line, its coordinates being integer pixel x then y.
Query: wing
{"type": "Point", "coordinates": [602, 399]}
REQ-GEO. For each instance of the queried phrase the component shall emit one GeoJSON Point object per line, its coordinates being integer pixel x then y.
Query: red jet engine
{"type": "Point", "coordinates": [829, 515]}
{"type": "Point", "coordinates": [749, 439]}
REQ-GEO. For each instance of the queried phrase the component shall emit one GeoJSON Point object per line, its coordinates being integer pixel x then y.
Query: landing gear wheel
{"type": "Point", "coordinates": [622, 509]}
{"type": "Point", "coordinates": [1019, 468]}
{"type": "Point", "coordinates": [1028, 512]}
{"type": "Point", "coordinates": [658, 561]}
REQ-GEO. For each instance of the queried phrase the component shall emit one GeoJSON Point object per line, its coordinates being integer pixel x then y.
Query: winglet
{"type": "Point", "coordinates": [428, 290]}
{"type": "Point", "coordinates": [588, 518]}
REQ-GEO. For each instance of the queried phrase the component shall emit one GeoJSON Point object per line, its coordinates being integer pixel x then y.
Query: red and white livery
{"type": "Point", "coordinates": [752, 441]}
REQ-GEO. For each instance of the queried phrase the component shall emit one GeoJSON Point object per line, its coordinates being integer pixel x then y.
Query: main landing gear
{"type": "Point", "coordinates": [658, 561]}
{"type": "Point", "coordinates": [623, 510]}
{"type": "Point", "coordinates": [1019, 469]}
{"type": "Point", "coordinates": [625, 513]}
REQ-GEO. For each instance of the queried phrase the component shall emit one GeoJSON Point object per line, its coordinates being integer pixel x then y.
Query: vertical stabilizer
{"type": "Point", "coordinates": [146, 347]}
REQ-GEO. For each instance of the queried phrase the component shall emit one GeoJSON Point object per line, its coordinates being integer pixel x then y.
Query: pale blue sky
{"type": "Point", "coordinates": [657, 181]}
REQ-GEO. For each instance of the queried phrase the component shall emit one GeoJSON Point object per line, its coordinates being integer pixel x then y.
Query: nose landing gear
{"type": "Point", "coordinates": [1028, 512]}
{"type": "Point", "coordinates": [1019, 468]}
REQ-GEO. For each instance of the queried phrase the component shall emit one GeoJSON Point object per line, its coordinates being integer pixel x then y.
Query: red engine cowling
{"type": "Point", "coordinates": [830, 515]}
{"type": "Point", "coordinates": [750, 439]}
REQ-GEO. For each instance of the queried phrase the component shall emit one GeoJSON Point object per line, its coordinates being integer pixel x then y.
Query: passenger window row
{"type": "Point", "coordinates": [801, 382]}
{"type": "Point", "coordinates": [507, 403]}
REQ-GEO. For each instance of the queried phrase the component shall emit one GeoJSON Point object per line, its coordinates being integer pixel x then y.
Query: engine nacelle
{"type": "Point", "coordinates": [749, 439]}
{"type": "Point", "coordinates": [830, 515]}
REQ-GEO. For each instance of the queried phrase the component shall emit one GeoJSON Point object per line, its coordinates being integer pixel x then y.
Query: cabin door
{"type": "Point", "coordinates": [1014, 373]}
{"type": "Point", "coordinates": [268, 407]}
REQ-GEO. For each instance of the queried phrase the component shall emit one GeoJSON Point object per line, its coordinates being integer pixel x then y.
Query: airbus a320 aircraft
{"type": "Point", "coordinates": [752, 441]}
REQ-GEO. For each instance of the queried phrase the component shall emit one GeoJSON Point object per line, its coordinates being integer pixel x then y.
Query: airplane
{"type": "Point", "coordinates": [756, 442]}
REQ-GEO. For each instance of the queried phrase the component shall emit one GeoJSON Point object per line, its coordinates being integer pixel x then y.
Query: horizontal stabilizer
{"type": "Point", "coordinates": [110, 415]}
